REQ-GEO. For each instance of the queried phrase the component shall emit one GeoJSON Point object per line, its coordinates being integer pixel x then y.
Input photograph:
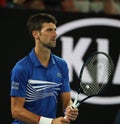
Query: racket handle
{"type": "Point", "coordinates": [75, 103]}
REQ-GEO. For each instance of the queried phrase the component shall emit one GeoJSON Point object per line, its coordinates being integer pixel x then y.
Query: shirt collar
{"type": "Point", "coordinates": [35, 60]}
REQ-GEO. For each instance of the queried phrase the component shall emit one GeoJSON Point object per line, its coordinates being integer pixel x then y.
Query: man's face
{"type": "Point", "coordinates": [48, 35]}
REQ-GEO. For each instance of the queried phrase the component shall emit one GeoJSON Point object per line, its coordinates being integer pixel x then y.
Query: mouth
{"type": "Point", "coordinates": [54, 41]}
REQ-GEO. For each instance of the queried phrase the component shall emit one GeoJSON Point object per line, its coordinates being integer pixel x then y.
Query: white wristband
{"type": "Point", "coordinates": [44, 120]}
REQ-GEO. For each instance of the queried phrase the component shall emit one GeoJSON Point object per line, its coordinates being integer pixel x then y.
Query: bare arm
{"type": "Point", "coordinates": [66, 100]}
{"type": "Point", "coordinates": [70, 112]}
{"type": "Point", "coordinates": [20, 113]}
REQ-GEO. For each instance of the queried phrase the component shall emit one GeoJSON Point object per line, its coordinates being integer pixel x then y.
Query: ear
{"type": "Point", "coordinates": [35, 34]}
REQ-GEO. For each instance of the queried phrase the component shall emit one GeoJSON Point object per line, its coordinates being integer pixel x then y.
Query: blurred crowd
{"type": "Point", "coordinates": [84, 6]}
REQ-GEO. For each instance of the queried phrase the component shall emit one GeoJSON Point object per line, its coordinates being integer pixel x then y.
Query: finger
{"type": "Point", "coordinates": [65, 120]}
{"type": "Point", "coordinates": [73, 117]}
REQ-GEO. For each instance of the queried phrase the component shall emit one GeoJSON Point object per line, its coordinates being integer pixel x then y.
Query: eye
{"type": "Point", "coordinates": [51, 29]}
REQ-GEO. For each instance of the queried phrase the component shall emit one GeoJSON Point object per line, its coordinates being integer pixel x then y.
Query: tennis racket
{"type": "Point", "coordinates": [95, 75]}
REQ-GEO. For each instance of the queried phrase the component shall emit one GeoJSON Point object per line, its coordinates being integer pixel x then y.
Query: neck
{"type": "Point", "coordinates": [43, 56]}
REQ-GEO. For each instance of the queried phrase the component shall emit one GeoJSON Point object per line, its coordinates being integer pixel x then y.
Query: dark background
{"type": "Point", "coordinates": [15, 43]}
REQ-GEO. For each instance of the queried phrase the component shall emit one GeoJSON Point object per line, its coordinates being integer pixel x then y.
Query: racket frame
{"type": "Point", "coordinates": [76, 103]}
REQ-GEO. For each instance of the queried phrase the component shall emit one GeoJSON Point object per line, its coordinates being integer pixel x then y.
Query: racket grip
{"type": "Point", "coordinates": [76, 103]}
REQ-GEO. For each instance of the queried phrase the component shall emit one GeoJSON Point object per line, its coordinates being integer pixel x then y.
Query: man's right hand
{"type": "Point", "coordinates": [60, 120]}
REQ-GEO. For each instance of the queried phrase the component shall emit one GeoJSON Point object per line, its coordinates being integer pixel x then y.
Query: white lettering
{"type": "Point", "coordinates": [102, 45]}
{"type": "Point", "coordinates": [116, 79]}
{"type": "Point", "coordinates": [73, 56]}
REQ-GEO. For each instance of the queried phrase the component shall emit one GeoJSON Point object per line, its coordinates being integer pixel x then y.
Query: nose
{"type": "Point", "coordinates": [55, 33]}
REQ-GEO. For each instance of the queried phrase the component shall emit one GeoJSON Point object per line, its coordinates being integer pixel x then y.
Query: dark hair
{"type": "Point", "coordinates": [35, 21]}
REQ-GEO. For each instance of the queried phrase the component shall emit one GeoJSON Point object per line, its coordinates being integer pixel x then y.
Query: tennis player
{"type": "Point", "coordinates": [40, 77]}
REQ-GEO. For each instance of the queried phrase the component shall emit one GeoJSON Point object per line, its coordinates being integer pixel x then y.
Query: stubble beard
{"type": "Point", "coordinates": [49, 46]}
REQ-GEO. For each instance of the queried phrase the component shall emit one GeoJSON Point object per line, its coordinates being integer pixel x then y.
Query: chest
{"type": "Point", "coordinates": [52, 74]}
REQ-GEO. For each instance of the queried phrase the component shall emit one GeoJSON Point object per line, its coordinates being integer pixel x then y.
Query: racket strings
{"type": "Point", "coordinates": [95, 66]}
